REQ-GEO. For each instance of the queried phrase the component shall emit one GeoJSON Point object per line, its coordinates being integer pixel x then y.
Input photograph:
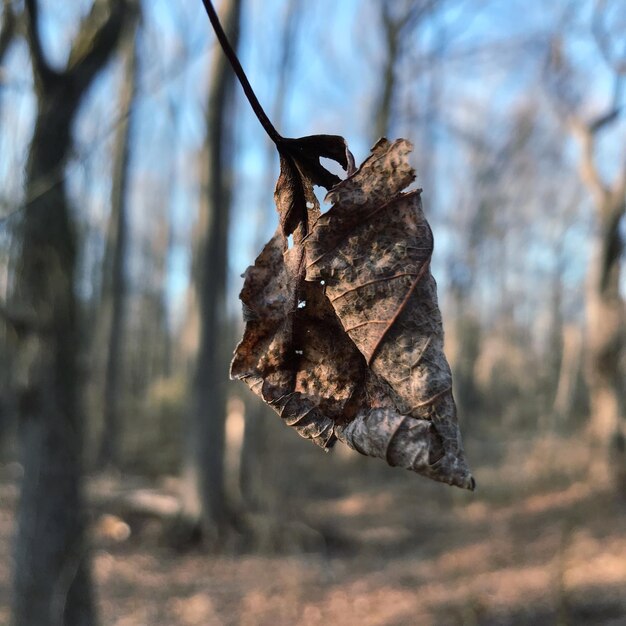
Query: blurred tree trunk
{"type": "Point", "coordinates": [400, 19]}
{"type": "Point", "coordinates": [52, 575]}
{"type": "Point", "coordinates": [7, 33]}
{"type": "Point", "coordinates": [604, 304]}
{"type": "Point", "coordinates": [204, 495]}
{"type": "Point", "coordinates": [256, 491]}
{"type": "Point", "coordinates": [391, 31]}
{"type": "Point", "coordinates": [468, 346]}
{"type": "Point", "coordinates": [605, 320]}
{"type": "Point", "coordinates": [569, 372]}
{"type": "Point", "coordinates": [7, 30]}
{"type": "Point", "coordinates": [160, 355]}
{"type": "Point", "coordinates": [114, 282]}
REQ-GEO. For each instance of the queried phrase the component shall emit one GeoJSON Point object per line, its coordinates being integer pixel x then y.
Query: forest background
{"type": "Point", "coordinates": [136, 186]}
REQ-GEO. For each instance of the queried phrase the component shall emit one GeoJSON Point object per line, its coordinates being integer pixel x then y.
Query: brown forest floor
{"type": "Point", "coordinates": [536, 544]}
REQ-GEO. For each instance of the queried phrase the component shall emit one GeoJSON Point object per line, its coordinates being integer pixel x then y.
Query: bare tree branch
{"type": "Point", "coordinates": [602, 37]}
{"type": "Point", "coordinates": [8, 28]}
{"type": "Point", "coordinates": [415, 14]}
{"type": "Point", "coordinates": [610, 196]}
{"type": "Point", "coordinates": [618, 191]}
{"type": "Point", "coordinates": [91, 48]}
{"type": "Point", "coordinates": [585, 135]}
{"type": "Point", "coordinates": [604, 120]}
{"type": "Point", "coordinates": [44, 74]}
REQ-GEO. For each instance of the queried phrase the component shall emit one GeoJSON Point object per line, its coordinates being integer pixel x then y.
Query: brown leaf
{"type": "Point", "coordinates": [373, 250]}
{"type": "Point", "coordinates": [289, 354]}
{"type": "Point", "coordinates": [355, 351]}
{"type": "Point", "coordinates": [305, 367]}
{"type": "Point", "coordinates": [300, 169]}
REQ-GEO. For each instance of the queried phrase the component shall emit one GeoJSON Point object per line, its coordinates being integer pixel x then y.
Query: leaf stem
{"type": "Point", "coordinates": [231, 55]}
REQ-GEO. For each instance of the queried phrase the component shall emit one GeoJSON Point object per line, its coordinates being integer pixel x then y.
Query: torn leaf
{"type": "Point", "coordinates": [363, 359]}
{"type": "Point", "coordinates": [300, 169]}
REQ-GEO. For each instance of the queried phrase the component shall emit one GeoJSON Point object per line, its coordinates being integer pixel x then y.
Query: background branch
{"type": "Point", "coordinates": [7, 30]}
{"type": "Point", "coordinates": [44, 74]}
{"type": "Point", "coordinates": [585, 135]}
{"type": "Point", "coordinates": [97, 35]}
{"type": "Point", "coordinates": [602, 38]}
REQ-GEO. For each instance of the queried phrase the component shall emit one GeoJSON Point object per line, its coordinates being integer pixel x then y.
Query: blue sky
{"type": "Point", "coordinates": [490, 68]}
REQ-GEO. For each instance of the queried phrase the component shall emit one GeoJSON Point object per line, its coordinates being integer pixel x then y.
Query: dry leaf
{"type": "Point", "coordinates": [343, 333]}
{"type": "Point", "coordinates": [290, 349]}
{"type": "Point", "coordinates": [300, 169]}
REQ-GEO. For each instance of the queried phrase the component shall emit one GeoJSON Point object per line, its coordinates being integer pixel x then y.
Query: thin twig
{"type": "Point", "coordinates": [241, 75]}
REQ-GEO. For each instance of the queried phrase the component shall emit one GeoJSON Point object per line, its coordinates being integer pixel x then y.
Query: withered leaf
{"type": "Point", "coordinates": [300, 169]}
{"type": "Point", "coordinates": [343, 332]}
{"type": "Point", "coordinates": [288, 355]}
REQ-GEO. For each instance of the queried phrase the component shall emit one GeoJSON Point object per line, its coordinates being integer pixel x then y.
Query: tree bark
{"type": "Point", "coordinates": [605, 332]}
{"type": "Point", "coordinates": [7, 30]}
{"type": "Point", "coordinates": [256, 492]}
{"type": "Point", "coordinates": [52, 583]}
{"type": "Point", "coordinates": [604, 305]}
{"type": "Point", "coordinates": [7, 33]}
{"type": "Point", "coordinates": [391, 40]}
{"type": "Point", "coordinates": [569, 371]}
{"type": "Point", "coordinates": [205, 497]}
{"type": "Point", "coordinates": [399, 21]}
{"type": "Point", "coordinates": [114, 284]}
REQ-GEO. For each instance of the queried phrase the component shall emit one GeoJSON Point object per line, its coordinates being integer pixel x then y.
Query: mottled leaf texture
{"type": "Point", "coordinates": [343, 332]}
